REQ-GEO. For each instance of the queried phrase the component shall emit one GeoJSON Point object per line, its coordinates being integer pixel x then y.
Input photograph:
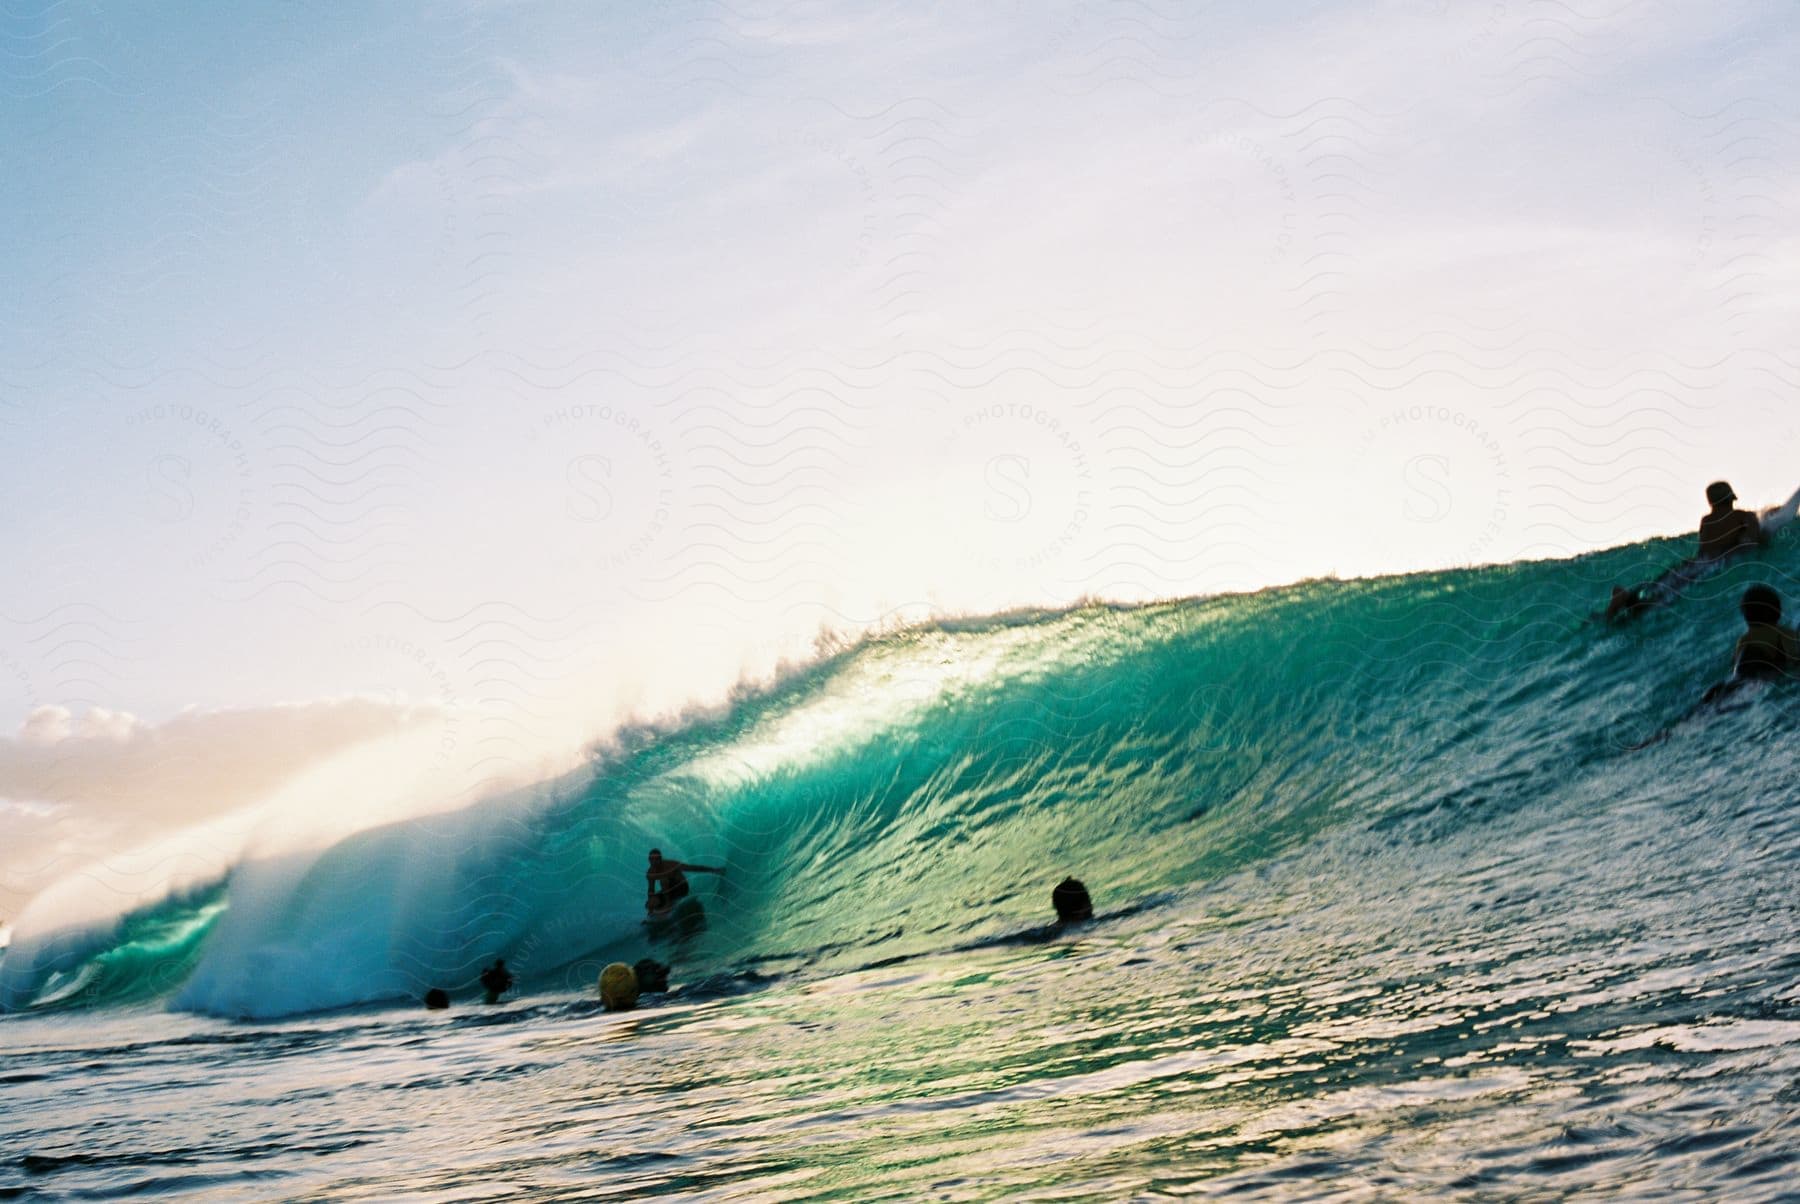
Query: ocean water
{"type": "Point", "coordinates": [1391, 903]}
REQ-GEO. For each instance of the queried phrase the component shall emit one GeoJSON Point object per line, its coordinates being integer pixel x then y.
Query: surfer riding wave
{"type": "Point", "coordinates": [668, 882]}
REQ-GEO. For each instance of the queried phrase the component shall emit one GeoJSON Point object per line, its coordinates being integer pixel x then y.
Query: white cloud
{"type": "Point", "coordinates": [82, 787]}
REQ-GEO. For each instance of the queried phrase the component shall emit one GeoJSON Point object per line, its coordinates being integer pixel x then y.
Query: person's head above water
{"type": "Point", "coordinates": [1720, 494]}
{"type": "Point", "coordinates": [1071, 901]}
{"type": "Point", "coordinates": [652, 976]}
{"type": "Point", "coordinates": [1760, 606]}
{"type": "Point", "coordinates": [655, 856]}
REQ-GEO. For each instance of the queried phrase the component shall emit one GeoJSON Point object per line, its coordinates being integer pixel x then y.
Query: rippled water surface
{"type": "Point", "coordinates": [1599, 1004]}
{"type": "Point", "coordinates": [1391, 905]}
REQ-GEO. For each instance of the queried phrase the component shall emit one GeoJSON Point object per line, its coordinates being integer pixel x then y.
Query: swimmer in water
{"type": "Point", "coordinates": [1766, 650]}
{"type": "Point", "coordinates": [496, 980]}
{"type": "Point", "coordinates": [1071, 901]}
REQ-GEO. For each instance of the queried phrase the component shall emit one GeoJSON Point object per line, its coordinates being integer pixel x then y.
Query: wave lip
{"type": "Point", "coordinates": [144, 954]}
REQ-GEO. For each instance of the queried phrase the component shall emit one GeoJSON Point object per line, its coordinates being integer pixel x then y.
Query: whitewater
{"type": "Point", "coordinates": [1425, 884]}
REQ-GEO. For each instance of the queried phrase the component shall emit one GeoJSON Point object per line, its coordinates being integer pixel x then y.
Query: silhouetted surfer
{"type": "Point", "coordinates": [496, 980]}
{"type": "Point", "coordinates": [1766, 649]}
{"type": "Point", "coordinates": [668, 882]}
{"type": "Point", "coordinates": [1071, 901]}
{"type": "Point", "coordinates": [1724, 532]}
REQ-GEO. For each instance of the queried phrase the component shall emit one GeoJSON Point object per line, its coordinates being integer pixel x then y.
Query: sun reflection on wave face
{"type": "Point", "coordinates": [888, 682]}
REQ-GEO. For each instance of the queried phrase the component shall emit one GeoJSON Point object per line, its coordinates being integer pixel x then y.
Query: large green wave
{"type": "Point", "coordinates": [927, 787]}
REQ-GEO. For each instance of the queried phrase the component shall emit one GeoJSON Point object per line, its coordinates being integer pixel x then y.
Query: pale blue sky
{"type": "Point", "coordinates": [660, 335]}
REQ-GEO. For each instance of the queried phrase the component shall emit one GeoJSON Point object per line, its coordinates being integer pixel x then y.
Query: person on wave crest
{"type": "Point", "coordinates": [1725, 529]}
{"type": "Point", "coordinates": [1766, 650]}
{"type": "Point", "coordinates": [668, 882]}
{"type": "Point", "coordinates": [1724, 532]}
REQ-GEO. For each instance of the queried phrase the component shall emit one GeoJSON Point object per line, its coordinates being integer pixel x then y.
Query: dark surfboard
{"type": "Point", "coordinates": [684, 919]}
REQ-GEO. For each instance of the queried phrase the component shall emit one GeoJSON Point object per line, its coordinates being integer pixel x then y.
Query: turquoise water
{"type": "Point", "coordinates": [1388, 905]}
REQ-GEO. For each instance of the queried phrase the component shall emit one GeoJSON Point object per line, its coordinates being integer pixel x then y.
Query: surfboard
{"type": "Point", "coordinates": [1667, 588]}
{"type": "Point", "coordinates": [1721, 693]}
{"type": "Point", "coordinates": [684, 919]}
{"type": "Point", "coordinates": [1775, 518]}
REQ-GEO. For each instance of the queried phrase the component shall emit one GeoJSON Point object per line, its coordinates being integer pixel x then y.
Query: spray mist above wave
{"type": "Point", "coordinates": [184, 881]}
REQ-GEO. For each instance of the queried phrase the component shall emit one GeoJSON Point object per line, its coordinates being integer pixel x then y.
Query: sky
{"type": "Point", "coordinates": [504, 369]}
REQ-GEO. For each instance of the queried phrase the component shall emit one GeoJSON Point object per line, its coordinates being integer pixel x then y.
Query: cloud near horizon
{"type": "Point", "coordinates": [79, 787]}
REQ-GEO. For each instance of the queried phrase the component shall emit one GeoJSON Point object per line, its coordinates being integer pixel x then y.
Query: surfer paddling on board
{"type": "Point", "coordinates": [668, 882]}
{"type": "Point", "coordinates": [1724, 532]}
